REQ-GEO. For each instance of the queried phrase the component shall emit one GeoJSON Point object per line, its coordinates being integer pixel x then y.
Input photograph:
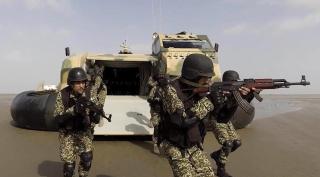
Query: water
{"type": "Point", "coordinates": [271, 106]}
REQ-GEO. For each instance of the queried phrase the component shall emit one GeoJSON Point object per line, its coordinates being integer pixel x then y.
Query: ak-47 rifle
{"type": "Point", "coordinates": [94, 108]}
{"type": "Point", "coordinates": [233, 87]}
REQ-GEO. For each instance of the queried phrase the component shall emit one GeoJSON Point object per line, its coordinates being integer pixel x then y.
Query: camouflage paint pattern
{"type": "Point", "coordinates": [191, 162]}
{"type": "Point", "coordinates": [73, 143]}
{"type": "Point", "coordinates": [172, 103]}
{"type": "Point", "coordinates": [202, 108]}
{"type": "Point", "coordinates": [185, 162]}
{"type": "Point", "coordinates": [98, 91]}
{"type": "Point", "coordinates": [153, 97]}
{"type": "Point", "coordinates": [224, 132]}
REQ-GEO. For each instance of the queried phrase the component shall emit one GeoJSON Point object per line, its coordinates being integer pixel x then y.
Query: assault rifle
{"type": "Point", "coordinates": [233, 87]}
{"type": "Point", "coordinates": [86, 103]}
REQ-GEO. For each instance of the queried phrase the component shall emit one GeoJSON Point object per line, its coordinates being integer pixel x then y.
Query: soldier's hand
{"type": "Point", "coordinates": [217, 97]}
{"type": "Point", "coordinates": [79, 108]}
{"type": "Point", "coordinates": [95, 117]}
{"type": "Point", "coordinates": [244, 90]}
{"type": "Point", "coordinates": [256, 90]}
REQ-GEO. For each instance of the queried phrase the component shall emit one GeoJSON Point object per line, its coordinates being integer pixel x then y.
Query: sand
{"type": "Point", "coordinates": [282, 141]}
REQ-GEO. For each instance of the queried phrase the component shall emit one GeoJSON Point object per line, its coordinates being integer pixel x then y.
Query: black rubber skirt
{"type": "Point", "coordinates": [34, 110]}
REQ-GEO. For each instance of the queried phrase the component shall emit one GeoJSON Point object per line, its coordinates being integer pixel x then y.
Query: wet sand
{"type": "Point", "coordinates": [282, 141]}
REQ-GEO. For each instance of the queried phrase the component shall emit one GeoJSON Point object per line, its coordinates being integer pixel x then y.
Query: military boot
{"type": "Point", "coordinates": [215, 156]}
{"type": "Point", "coordinates": [221, 170]}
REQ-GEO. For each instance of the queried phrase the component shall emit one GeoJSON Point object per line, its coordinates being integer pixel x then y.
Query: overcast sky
{"type": "Point", "coordinates": [259, 38]}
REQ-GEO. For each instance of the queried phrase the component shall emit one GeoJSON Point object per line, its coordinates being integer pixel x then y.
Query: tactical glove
{"type": "Point", "coordinates": [79, 107]}
{"type": "Point", "coordinates": [218, 99]}
{"type": "Point", "coordinates": [95, 117]}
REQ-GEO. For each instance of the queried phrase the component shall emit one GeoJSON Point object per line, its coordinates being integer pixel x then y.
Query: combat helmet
{"type": "Point", "coordinates": [230, 75]}
{"type": "Point", "coordinates": [76, 74]}
{"type": "Point", "coordinates": [195, 66]}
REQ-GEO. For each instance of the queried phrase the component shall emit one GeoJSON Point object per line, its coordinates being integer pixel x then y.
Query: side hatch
{"type": "Point", "coordinates": [126, 77]}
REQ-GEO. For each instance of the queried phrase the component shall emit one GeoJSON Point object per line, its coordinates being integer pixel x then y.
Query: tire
{"type": "Point", "coordinates": [34, 110]}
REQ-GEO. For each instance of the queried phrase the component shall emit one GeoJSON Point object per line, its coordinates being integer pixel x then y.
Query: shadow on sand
{"type": "Point", "coordinates": [50, 168]}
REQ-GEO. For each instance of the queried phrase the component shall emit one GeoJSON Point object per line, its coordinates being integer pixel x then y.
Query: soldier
{"type": "Point", "coordinates": [76, 124]}
{"type": "Point", "coordinates": [98, 88]}
{"type": "Point", "coordinates": [223, 129]}
{"type": "Point", "coordinates": [154, 103]}
{"type": "Point", "coordinates": [181, 128]}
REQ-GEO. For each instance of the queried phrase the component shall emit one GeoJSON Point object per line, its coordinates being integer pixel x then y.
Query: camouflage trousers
{"type": "Point", "coordinates": [72, 144]}
{"type": "Point", "coordinates": [224, 132]}
{"type": "Point", "coordinates": [155, 118]}
{"type": "Point", "coordinates": [191, 162]}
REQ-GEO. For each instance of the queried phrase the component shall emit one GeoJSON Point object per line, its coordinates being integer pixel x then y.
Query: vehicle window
{"type": "Point", "coordinates": [186, 44]}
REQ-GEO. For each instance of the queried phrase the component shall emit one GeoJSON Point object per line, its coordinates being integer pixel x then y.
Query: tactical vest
{"type": "Point", "coordinates": [75, 123]}
{"type": "Point", "coordinates": [182, 137]}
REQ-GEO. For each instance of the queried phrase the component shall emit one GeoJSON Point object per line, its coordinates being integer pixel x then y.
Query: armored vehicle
{"type": "Point", "coordinates": [126, 75]}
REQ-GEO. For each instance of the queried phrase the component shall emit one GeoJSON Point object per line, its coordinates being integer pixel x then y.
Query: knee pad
{"type": "Point", "coordinates": [85, 160]}
{"type": "Point", "coordinates": [68, 169]}
{"type": "Point", "coordinates": [226, 147]}
{"type": "Point", "coordinates": [236, 145]}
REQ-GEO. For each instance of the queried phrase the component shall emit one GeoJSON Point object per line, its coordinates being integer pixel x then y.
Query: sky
{"type": "Point", "coordinates": [259, 39]}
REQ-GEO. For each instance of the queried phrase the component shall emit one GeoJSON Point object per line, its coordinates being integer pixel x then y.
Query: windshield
{"type": "Point", "coordinates": [187, 44]}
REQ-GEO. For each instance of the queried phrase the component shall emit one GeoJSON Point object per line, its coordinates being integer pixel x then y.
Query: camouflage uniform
{"type": "Point", "coordinates": [75, 142]}
{"type": "Point", "coordinates": [224, 132]}
{"type": "Point", "coordinates": [153, 101]}
{"type": "Point", "coordinates": [98, 88]}
{"type": "Point", "coordinates": [190, 160]}
{"type": "Point", "coordinates": [153, 98]}
{"type": "Point", "coordinates": [98, 91]}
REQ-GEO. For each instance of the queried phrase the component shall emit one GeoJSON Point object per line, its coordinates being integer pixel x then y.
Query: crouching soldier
{"type": "Point", "coordinates": [182, 126]}
{"type": "Point", "coordinates": [223, 128]}
{"type": "Point", "coordinates": [76, 124]}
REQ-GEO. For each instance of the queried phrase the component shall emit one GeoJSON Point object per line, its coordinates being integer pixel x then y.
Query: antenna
{"type": "Point", "coordinates": [67, 51]}
{"type": "Point", "coordinates": [125, 48]}
{"type": "Point", "coordinates": [160, 15]}
{"type": "Point", "coordinates": [156, 7]}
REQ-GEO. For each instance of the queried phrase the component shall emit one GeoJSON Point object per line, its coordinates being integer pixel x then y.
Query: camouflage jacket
{"type": "Point", "coordinates": [64, 112]}
{"type": "Point", "coordinates": [98, 91]}
{"type": "Point", "coordinates": [175, 112]}
{"type": "Point", "coordinates": [154, 102]}
{"type": "Point", "coordinates": [172, 103]}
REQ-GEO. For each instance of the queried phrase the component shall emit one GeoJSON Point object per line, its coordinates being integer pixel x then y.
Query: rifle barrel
{"type": "Point", "coordinates": [299, 83]}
